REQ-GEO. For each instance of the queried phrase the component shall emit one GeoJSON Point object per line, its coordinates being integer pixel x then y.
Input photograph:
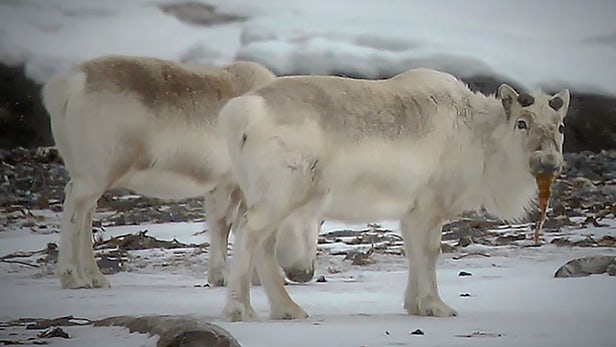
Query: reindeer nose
{"type": "Point", "coordinates": [548, 168]}
{"type": "Point", "coordinates": [300, 275]}
{"type": "Point", "coordinates": [545, 163]}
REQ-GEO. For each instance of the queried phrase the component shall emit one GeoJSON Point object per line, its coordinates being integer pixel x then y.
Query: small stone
{"type": "Point", "coordinates": [583, 183]}
{"type": "Point", "coordinates": [447, 248]}
{"type": "Point", "coordinates": [465, 241]}
{"type": "Point", "coordinates": [321, 279]}
{"type": "Point", "coordinates": [53, 332]}
{"type": "Point", "coordinates": [417, 332]}
{"type": "Point", "coordinates": [611, 269]}
{"type": "Point", "coordinates": [387, 332]}
{"type": "Point", "coordinates": [464, 274]}
{"type": "Point", "coordinates": [465, 295]}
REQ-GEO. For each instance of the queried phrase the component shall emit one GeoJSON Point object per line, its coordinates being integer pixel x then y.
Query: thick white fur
{"type": "Point", "coordinates": [118, 122]}
{"type": "Point", "coordinates": [420, 147]}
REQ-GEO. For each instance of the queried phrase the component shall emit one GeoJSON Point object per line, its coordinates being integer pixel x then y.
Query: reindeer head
{"type": "Point", "coordinates": [537, 124]}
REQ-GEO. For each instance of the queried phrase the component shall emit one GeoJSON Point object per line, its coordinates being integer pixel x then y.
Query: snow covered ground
{"type": "Point", "coordinates": [514, 298]}
{"type": "Point", "coordinates": [540, 43]}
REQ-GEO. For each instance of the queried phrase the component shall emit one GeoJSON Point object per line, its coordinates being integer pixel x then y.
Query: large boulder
{"type": "Point", "coordinates": [175, 331]}
{"type": "Point", "coordinates": [586, 266]}
{"type": "Point", "coordinates": [591, 123]}
{"type": "Point", "coordinates": [23, 119]}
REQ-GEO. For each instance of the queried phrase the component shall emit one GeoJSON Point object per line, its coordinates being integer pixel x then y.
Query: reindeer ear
{"type": "Point", "coordinates": [560, 102]}
{"type": "Point", "coordinates": [507, 95]}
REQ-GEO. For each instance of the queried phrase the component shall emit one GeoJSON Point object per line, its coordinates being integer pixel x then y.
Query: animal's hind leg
{"type": "Point", "coordinates": [217, 261]}
{"type": "Point", "coordinates": [221, 207]}
{"type": "Point", "coordinates": [76, 263]}
{"type": "Point", "coordinates": [89, 267]}
{"type": "Point", "coordinates": [248, 238]}
{"type": "Point", "coordinates": [256, 241]}
{"type": "Point", "coordinates": [422, 242]}
{"type": "Point", "coordinates": [282, 306]}
{"type": "Point", "coordinates": [277, 177]}
{"type": "Point", "coordinates": [68, 263]}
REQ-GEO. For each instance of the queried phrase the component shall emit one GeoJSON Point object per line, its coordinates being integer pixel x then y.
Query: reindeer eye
{"type": "Point", "coordinates": [561, 128]}
{"type": "Point", "coordinates": [522, 124]}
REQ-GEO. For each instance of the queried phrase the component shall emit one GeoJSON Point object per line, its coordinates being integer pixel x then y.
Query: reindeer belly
{"type": "Point", "coordinates": [166, 184]}
{"type": "Point", "coordinates": [364, 205]}
{"type": "Point", "coordinates": [374, 182]}
{"type": "Point", "coordinates": [178, 166]}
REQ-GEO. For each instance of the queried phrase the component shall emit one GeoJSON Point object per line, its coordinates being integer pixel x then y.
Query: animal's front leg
{"type": "Point", "coordinates": [282, 306]}
{"type": "Point", "coordinates": [422, 243]}
{"type": "Point", "coordinates": [411, 305]}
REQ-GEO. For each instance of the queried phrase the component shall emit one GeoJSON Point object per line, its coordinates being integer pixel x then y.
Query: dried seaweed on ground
{"type": "Point", "coordinates": [140, 240]}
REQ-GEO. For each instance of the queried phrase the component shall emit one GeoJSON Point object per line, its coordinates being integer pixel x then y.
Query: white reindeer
{"type": "Point", "coordinates": [419, 147]}
{"type": "Point", "coordinates": [149, 125]}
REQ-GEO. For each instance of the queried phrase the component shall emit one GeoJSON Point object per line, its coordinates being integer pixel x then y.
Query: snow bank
{"type": "Point", "coordinates": [543, 43]}
{"type": "Point", "coordinates": [547, 43]}
{"type": "Point", "coordinates": [51, 35]}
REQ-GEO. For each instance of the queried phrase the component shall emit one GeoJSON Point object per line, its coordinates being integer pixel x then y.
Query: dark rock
{"type": "Point", "coordinates": [586, 266]}
{"type": "Point", "coordinates": [464, 274]}
{"type": "Point", "coordinates": [23, 119]}
{"type": "Point", "coordinates": [465, 295]}
{"type": "Point", "coordinates": [508, 239]}
{"type": "Point", "coordinates": [66, 321]}
{"type": "Point", "coordinates": [360, 258]}
{"type": "Point", "coordinates": [196, 338]}
{"type": "Point", "coordinates": [175, 331]}
{"type": "Point", "coordinates": [468, 228]}
{"type": "Point", "coordinates": [447, 248]}
{"type": "Point", "coordinates": [417, 332]}
{"type": "Point", "coordinates": [51, 253]}
{"type": "Point", "coordinates": [197, 13]}
{"type": "Point", "coordinates": [465, 241]}
{"type": "Point", "coordinates": [109, 266]}
{"type": "Point", "coordinates": [611, 269]}
{"type": "Point", "coordinates": [321, 279]}
{"type": "Point", "coordinates": [53, 332]}
{"type": "Point", "coordinates": [590, 123]}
